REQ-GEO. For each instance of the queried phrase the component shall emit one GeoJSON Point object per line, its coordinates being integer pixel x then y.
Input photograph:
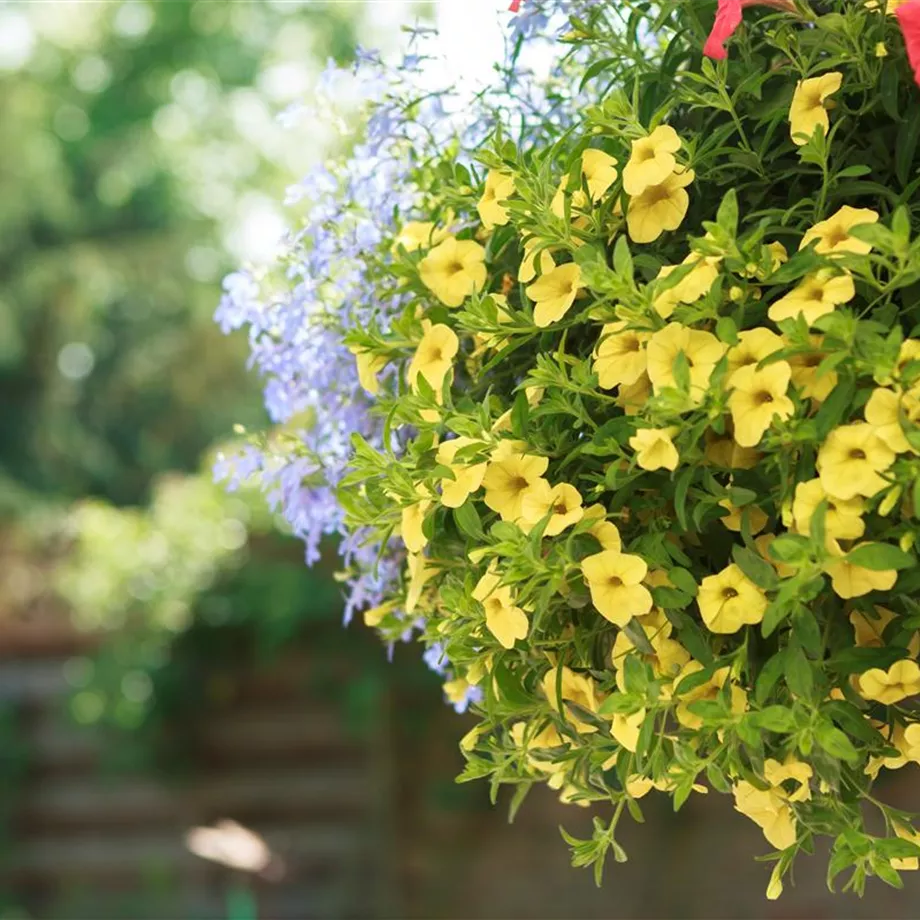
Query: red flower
{"type": "Point", "coordinates": [909, 19]}
{"type": "Point", "coordinates": [728, 18]}
{"type": "Point", "coordinates": [515, 6]}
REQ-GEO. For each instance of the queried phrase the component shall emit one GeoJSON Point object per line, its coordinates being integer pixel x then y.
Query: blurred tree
{"type": "Point", "coordinates": [131, 127]}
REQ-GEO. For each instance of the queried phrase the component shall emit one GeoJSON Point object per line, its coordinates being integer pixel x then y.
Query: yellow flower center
{"type": "Point", "coordinates": [644, 154]}
{"type": "Point", "coordinates": [857, 453]}
{"type": "Point", "coordinates": [518, 484]}
{"type": "Point", "coordinates": [657, 194]}
{"type": "Point", "coordinates": [614, 581]}
{"type": "Point", "coordinates": [836, 236]}
{"type": "Point", "coordinates": [813, 100]}
{"type": "Point", "coordinates": [763, 397]}
{"type": "Point", "coordinates": [729, 593]}
{"type": "Point", "coordinates": [455, 267]}
{"type": "Point", "coordinates": [560, 508]}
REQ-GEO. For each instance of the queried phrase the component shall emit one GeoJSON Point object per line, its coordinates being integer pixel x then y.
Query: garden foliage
{"type": "Point", "coordinates": [632, 377]}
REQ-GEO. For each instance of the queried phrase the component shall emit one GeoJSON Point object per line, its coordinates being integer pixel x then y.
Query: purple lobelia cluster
{"type": "Point", "coordinates": [298, 311]}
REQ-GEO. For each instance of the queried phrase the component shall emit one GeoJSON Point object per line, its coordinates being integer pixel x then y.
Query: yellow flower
{"type": "Point", "coordinates": [507, 478]}
{"type": "Point", "coordinates": [756, 517]}
{"type": "Point", "coordinates": [769, 810]}
{"type": "Point", "coordinates": [504, 620]}
{"type": "Point", "coordinates": [554, 293]}
{"type": "Point", "coordinates": [575, 688]}
{"type": "Point", "coordinates": [851, 459]}
{"type": "Point", "coordinates": [434, 356]}
{"type": "Point", "coordinates": [708, 691]}
{"type": "Point", "coordinates": [659, 207]}
{"type": "Point", "coordinates": [694, 285]}
{"type": "Point", "coordinates": [906, 863]}
{"type": "Point", "coordinates": [417, 234]}
{"type": "Point", "coordinates": [758, 397]}
{"type": "Point", "coordinates": [763, 547]}
{"type": "Point", "coordinates": [413, 519]}
{"type": "Point", "coordinates": [599, 172]}
{"type": "Point", "coordinates": [883, 414]}
{"type": "Point", "coordinates": [651, 160]}
{"type": "Point", "coordinates": [814, 297]}
{"type": "Point", "coordinates": [753, 346]}
{"type": "Point", "coordinates": [867, 632]}
{"type": "Point", "coordinates": [562, 500]}
{"type": "Point", "coordinates": [843, 519]}
{"type": "Point", "coordinates": [614, 580]}
{"type": "Point", "coordinates": [655, 449]}
{"type": "Point", "coordinates": [619, 357]}
{"type": "Point", "coordinates": [730, 600]}
{"type": "Point", "coordinates": [604, 531]}
{"type": "Point", "coordinates": [850, 580]}
{"type": "Point", "coordinates": [453, 270]}
{"type": "Point", "coordinates": [368, 365]}
{"type": "Point", "coordinates": [808, 111]}
{"type": "Point", "coordinates": [499, 188]}
{"type": "Point", "coordinates": [420, 571]}
{"type": "Point", "coordinates": [900, 681]}
{"type": "Point", "coordinates": [373, 616]}
{"type": "Point", "coordinates": [701, 350]}
{"type": "Point", "coordinates": [467, 476]}
{"type": "Point", "coordinates": [625, 728]}
{"type": "Point", "coordinates": [724, 450]}
{"type": "Point", "coordinates": [789, 771]}
{"type": "Point", "coordinates": [833, 235]}
{"type": "Point", "coordinates": [632, 397]}
{"type": "Point", "coordinates": [805, 367]}
{"type": "Point", "coordinates": [528, 270]}
{"type": "Point", "coordinates": [455, 690]}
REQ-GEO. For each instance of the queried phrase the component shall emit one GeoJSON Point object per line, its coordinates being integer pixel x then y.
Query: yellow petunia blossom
{"type": "Point", "coordinates": [528, 269]}
{"type": "Point", "coordinates": [659, 207]}
{"type": "Point", "coordinates": [808, 110]}
{"type": "Point", "coordinates": [849, 580]}
{"type": "Point", "coordinates": [851, 460]}
{"type": "Point", "coordinates": [730, 600]}
{"type": "Point", "coordinates": [598, 169]}
{"type": "Point", "coordinates": [883, 411]}
{"type": "Point", "coordinates": [753, 346]}
{"type": "Point", "coordinates": [507, 478]}
{"type": "Point", "coordinates": [707, 691]}
{"type": "Point", "coordinates": [757, 519]}
{"type": "Point", "coordinates": [563, 500]}
{"type": "Point", "coordinates": [467, 476]}
{"type": "Point", "coordinates": [632, 397]}
{"type": "Point", "coordinates": [906, 863]}
{"type": "Point", "coordinates": [795, 773]}
{"type": "Point", "coordinates": [554, 293]}
{"type": "Point", "coordinates": [413, 518]}
{"type": "Point", "coordinates": [694, 285]}
{"type": "Point", "coordinates": [868, 631]}
{"type": "Point", "coordinates": [651, 160]}
{"type": "Point", "coordinates": [899, 682]}
{"type": "Point", "coordinates": [506, 621]}
{"type": "Point", "coordinates": [456, 690]}
{"type": "Point", "coordinates": [758, 397]}
{"type": "Point", "coordinates": [433, 359]}
{"type": "Point", "coordinates": [814, 297]}
{"type": "Point", "coordinates": [619, 357]}
{"type": "Point", "coordinates": [605, 532]}
{"type": "Point", "coordinates": [805, 367]}
{"type": "Point", "coordinates": [724, 450]}
{"type": "Point", "coordinates": [499, 188]}
{"type": "Point", "coordinates": [833, 237]}
{"type": "Point", "coordinates": [573, 688]}
{"type": "Point", "coordinates": [701, 350]}
{"type": "Point", "coordinates": [419, 571]}
{"type": "Point", "coordinates": [655, 449]}
{"type": "Point", "coordinates": [417, 234]}
{"type": "Point", "coordinates": [769, 811]}
{"type": "Point", "coordinates": [615, 582]}
{"type": "Point", "coordinates": [454, 270]}
{"type": "Point", "coordinates": [625, 728]}
{"type": "Point", "coordinates": [374, 616]}
{"type": "Point", "coordinates": [842, 520]}
{"type": "Point", "coordinates": [369, 366]}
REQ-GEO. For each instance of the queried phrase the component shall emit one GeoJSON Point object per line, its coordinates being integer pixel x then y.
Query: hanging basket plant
{"type": "Point", "coordinates": [625, 424]}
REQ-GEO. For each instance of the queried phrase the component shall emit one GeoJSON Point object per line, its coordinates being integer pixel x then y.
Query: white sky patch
{"type": "Point", "coordinates": [17, 40]}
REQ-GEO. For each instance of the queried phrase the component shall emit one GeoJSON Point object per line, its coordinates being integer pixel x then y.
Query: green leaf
{"type": "Point", "coordinates": [880, 557]}
{"type": "Point", "coordinates": [727, 215]}
{"type": "Point", "coordinates": [510, 688]}
{"type": "Point", "coordinates": [727, 330]}
{"type": "Point", "coordinates": [520, 413]}
{"type": "Point", "coordinates": [671, 598]}
{"type": "Point", "coordinates": [834, 407]}
{"type": "Point", "coordinates": [774, 719]}
{"type": "Point", "coordinates": [858, 660]}
{"type": "Point", "coordinates": [756, 569]}
{"type": "Point", "coordinates": [790, 547]}
{"type": "Point", "coordinates": [468, 521]}
{"type": "Point", "coordinates": [835, 742]}
{"type": "Point", "coordinates": [622, 259]}
{"type": "Point", "coordinates": [799, 675]}
{"type": "Point", "coordinates": [777, 611]}
{"type": "Point", "coordinates": [769, 674]}
{"type": "Point", "coordinates": [806, 630]}
{"type": "Point", "coordinates": [683, 580]}
{"type": "Point", "coordinates": [680, 496]}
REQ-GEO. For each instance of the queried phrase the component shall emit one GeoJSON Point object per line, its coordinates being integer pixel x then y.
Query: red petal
{"type": "Point", "coordinates": [909, 19]}
{"type": "Point", "coordinates": [728, 18]}
{"type": "Point", "coordinates": [515, 6]}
